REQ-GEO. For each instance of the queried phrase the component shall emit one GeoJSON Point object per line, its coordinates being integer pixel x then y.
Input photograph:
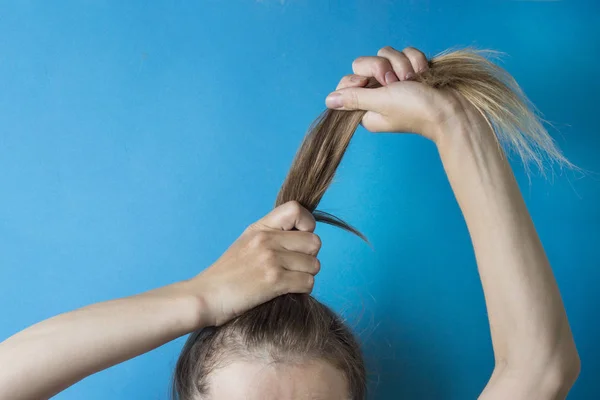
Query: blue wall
{"type": "Point", "coordinates": [137, 142]}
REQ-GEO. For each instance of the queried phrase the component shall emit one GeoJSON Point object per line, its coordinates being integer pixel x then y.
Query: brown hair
{"type": "Point", "coordinates": [298, 327]}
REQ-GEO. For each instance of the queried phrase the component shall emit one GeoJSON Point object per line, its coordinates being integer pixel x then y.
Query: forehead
{"type": "Point", "coordinates": [243, 380]}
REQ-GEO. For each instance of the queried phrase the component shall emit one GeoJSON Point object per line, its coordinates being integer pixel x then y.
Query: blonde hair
{"type": "Point", "coordinates": [493, 91]}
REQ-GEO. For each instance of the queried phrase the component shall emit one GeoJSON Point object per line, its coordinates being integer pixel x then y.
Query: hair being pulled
{"type": "Point", "coordinates": [297, 327]}
{"type": "Point", "coordinates": [492, 90]}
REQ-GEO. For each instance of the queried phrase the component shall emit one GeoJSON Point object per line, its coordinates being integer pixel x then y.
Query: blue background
{"type": "Point", "coordinates": [137, 140]}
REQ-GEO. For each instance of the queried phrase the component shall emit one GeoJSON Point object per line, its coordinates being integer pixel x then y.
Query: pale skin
{"type": "Point", "coordinates": [535, 355]}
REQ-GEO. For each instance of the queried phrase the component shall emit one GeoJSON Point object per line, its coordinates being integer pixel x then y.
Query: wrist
{"type": "Point", "coordinates": [455, 120]}
{"type": "Point", "coordinates": [464, 131]}
{"type": "Point", "coordinates": [188, 305]}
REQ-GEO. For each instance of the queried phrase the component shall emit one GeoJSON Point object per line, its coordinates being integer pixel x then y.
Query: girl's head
{"type": "Point", "coordinates": [294, 346]}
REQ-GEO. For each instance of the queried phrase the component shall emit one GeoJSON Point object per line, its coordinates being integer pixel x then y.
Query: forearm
{"type": "Point", "coordinates": [529, 326]}
{"type": "Point", "coordinates": [54, 354]}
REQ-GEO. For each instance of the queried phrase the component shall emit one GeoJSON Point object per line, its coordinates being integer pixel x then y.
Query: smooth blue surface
{"type": "Point", "coordinates": [138, 139]}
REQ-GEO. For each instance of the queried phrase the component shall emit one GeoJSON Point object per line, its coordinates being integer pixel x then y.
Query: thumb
{"type": "Point", "coordinates": [288, 216]}
{"type": "Point", "coordinates": [357, 98]}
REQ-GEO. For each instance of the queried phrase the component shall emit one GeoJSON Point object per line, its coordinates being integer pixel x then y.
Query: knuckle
{"type": "Point", "coordinates": [381, 65]}
{"type": "Point", "coordinates": [358, 63]}
{"type": "Point", "coordinates": [268, 258]}
{"type": "Point", "coordinates": [417, 57]}
{"type": "Point", "coordinates": [316, 242]}
{"type": "Point", "coordinates": [414, 50]}
{"type": "Point", "coordinates": [352, 100]}
{"type": "Point", "coordinates": [316, 265]}
{"type": "Point", "coordinates": [312, 221]}
{"type": "Point", "coordinates": [294, 207]}
{"type": "Point", "coordinates": [310, 283]}
{"type": "Point", "coordinates": [273, 275]}
{"type": "Point", "coordinates": [385, 50]}
{"type": "Point", "coordinates": [252, 228]}
{"type": "Point", "coordinates": [260, 239]}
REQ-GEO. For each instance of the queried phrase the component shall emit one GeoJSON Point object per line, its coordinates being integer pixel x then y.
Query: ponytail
{"type": "Point", "coordinates": [484, 84]}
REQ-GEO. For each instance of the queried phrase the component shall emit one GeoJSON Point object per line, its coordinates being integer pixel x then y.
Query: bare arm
{"type": "Point", "coordinates": [52, 355]}
{"type": "Point", "coordinates": [534, 349]}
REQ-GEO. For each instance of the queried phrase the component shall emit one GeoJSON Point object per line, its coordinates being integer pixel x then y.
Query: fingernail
{"type": "Point", "coordinates": [357, 78]}
{"type": "Point", "coordinates": [390, 77]}
{"type": "Point", "coordinates": [410, 75]}
{"type": "Point", "coordinates": [334, 100]}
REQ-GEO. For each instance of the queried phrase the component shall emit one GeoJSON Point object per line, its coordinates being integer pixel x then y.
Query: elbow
{"type": "Point", "coordinates": [552, 381]}
{"type": "Point", "coordinates": [551, 364]}
{"type": "Point", "coordinates": [542, 377]}
{"type": "Point", "coordinates": [562, 374]}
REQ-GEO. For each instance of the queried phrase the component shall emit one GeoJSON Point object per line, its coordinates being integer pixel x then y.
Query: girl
{"type": "Point", "coordinates": [257, 334]}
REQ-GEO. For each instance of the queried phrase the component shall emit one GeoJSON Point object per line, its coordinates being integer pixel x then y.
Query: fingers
{"type": "Point", "coordinates": [300, 242]}
{"type": "Point", "coordinates": [406, 62]}
{"type": "Point", "coordinates": [399, 62]}
{"type": "Point", "coordinates": [352, 80]}
{"type": "Point", "coordinates": [299, 262]}
{"type": "Point", "coordinates": [359, 99]}
{"type": "Point", "coordinates": [389, 66]}
{"type": "Point", "coordinates": [377, 67]}
{"type": "Point", "coordinates": [289, 273]}
{"type": "Point", "coordinates": [288, 216]}
{"type": "Point", "coordinates": [417, 59]}
{"type": "Point", "coordinates": [298, 282]}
